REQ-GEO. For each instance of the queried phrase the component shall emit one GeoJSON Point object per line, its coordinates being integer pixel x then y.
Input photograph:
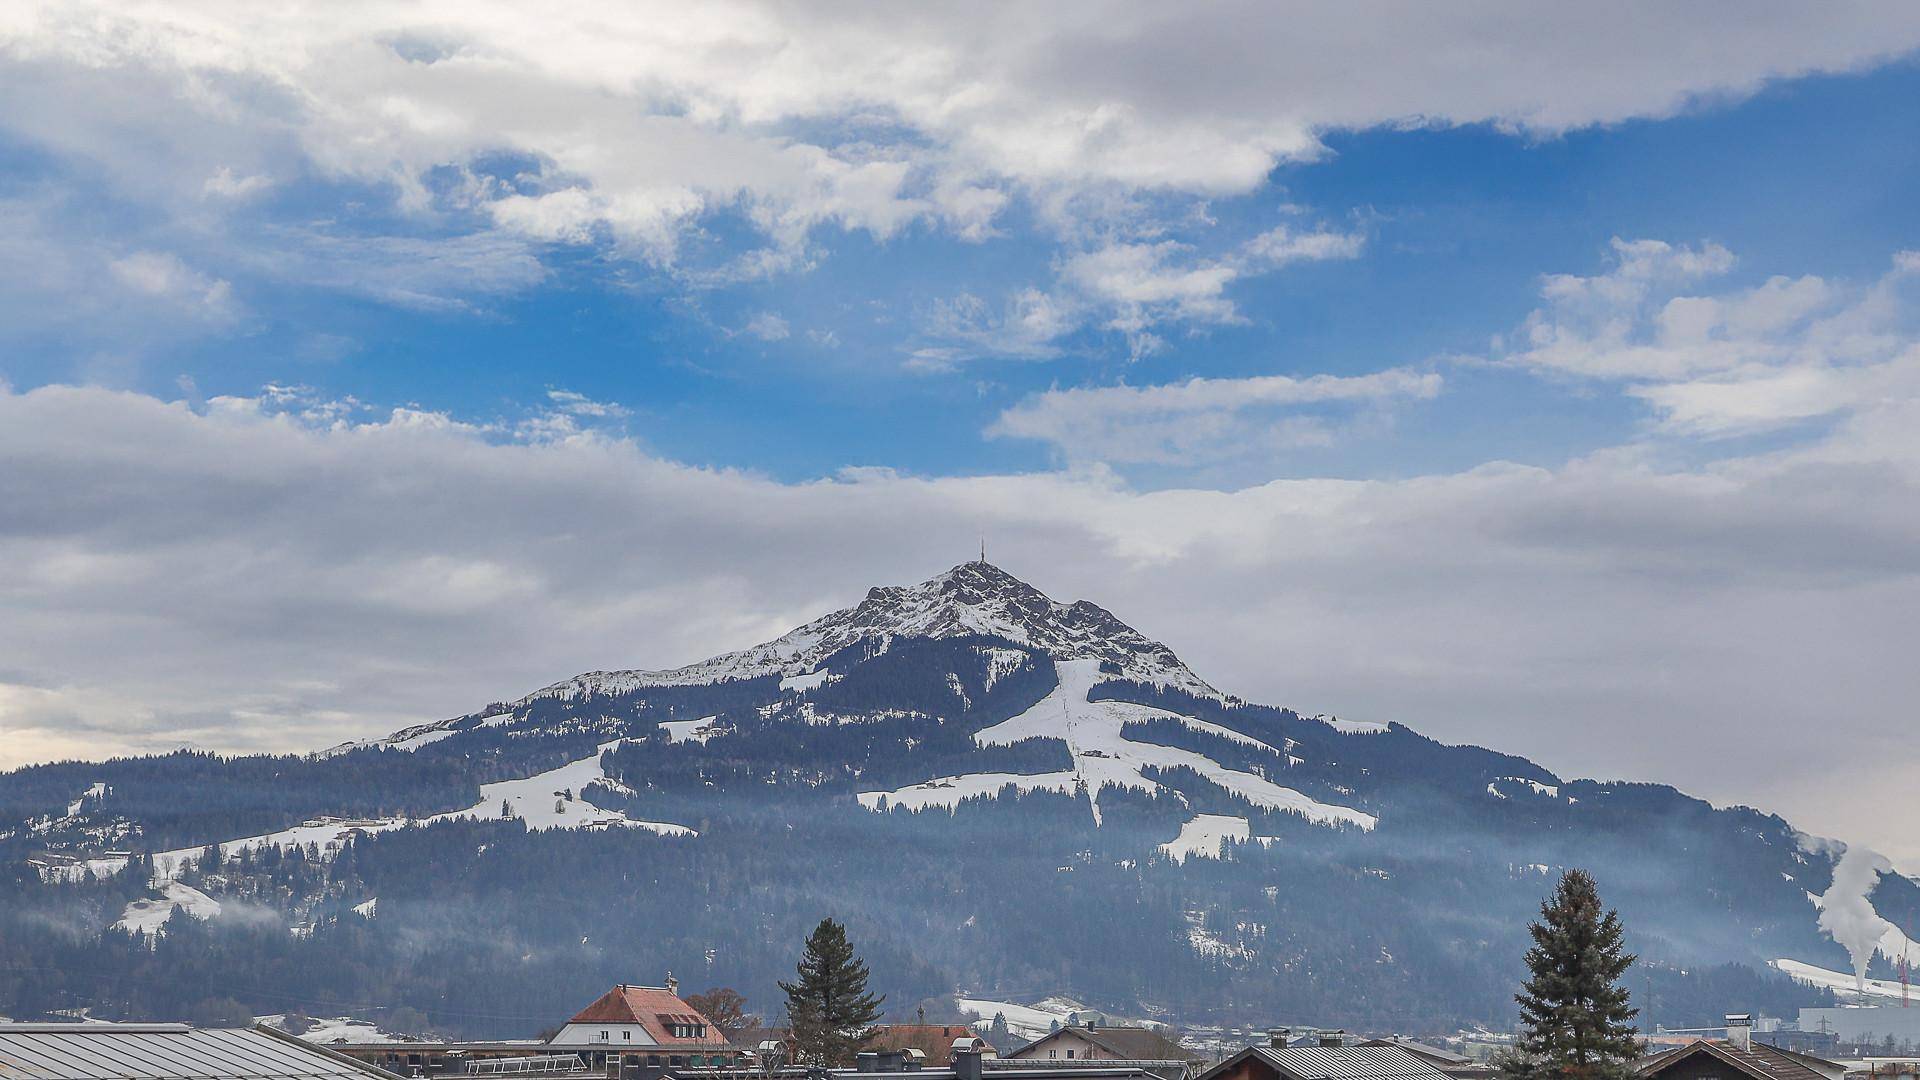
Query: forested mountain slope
{"type": "Point", "coordinates": [1000, 794]}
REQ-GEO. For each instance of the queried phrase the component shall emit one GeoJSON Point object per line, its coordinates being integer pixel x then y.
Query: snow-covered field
{"type": "Point", "coordinates": [1104, 758]}
{"type": "Point", "coordinates": [947, 791]}
{"type": "Point", "coordinates": [1840, 982]}
{"type": "Point", "coordinates": [800, 684]}
{"type": "Point", "coordinates": [1206, 836]}
{"type": "Point", "coordinates": [1035, 1020]}
{"type": "Point", "coordinates": [548, 800]}
{"type": "Point", "coordinates": [148, 916]}
{"type": "Point", "coordinates": [1551, 791]}
{"type": "Point", "coordinates": [699, 731]}
{"type": "Point", "coordinates": [337, 1030]}
{"type": "Point", "coordinates": [1353, 727]}
{"type": "Point", "coordinates": [551, 800]}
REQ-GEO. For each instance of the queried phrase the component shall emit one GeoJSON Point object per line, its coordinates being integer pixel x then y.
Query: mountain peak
{"type": "Point", "coordinates": [973, 598]}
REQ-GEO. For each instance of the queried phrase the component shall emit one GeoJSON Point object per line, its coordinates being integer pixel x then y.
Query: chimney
{"type": "Point", "coordinates": [1336, 1037]}
{"type": "Point", "coordinates": [673, 985]}
{"type": "Point", "coordinates": [1740, 1030]}
{"type": "Point", "coordinates": [966, 1058]}
{"type": "Point", "coordinates": [1277, 1037]}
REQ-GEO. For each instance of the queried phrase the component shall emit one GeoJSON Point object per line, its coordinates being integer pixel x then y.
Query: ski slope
{"type": "Point", "coordinates": [1103, 757]}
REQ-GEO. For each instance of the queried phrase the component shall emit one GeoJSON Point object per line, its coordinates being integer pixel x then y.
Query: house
{"type": "Point", "coordinates": [1133, 1045]}
{"type": "Point", "coordinates": [642, 1016]}
{"type": "Point", "coordinates": [934, 1041]}
{"type": "Point", "coordinates": [1332, 1057]}
{"type": "Point", "coordinates": [1115, 1043]}
{"type": "Point", "coordinates": [96, 1051]}
{"type": "Point", "coordinates": [1736, 1057]}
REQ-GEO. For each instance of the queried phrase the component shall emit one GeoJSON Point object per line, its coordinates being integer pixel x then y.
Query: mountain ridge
{"type": "Point", "coordinates": [972, 775]}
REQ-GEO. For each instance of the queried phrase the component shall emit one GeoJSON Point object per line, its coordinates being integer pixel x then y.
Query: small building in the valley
{"type": "Point", "coordinates": [1737, 1057]}
{"type": "Point", "coordinates": [97, 1051]}
{"type": "Point", "coordinates": [1330, 1057]}
{"type": "Point", "coordinates": [644, 1029]}
{"type": "Point", "coordinates": [1131, 1045]}
{"type": "Point", "coordinates": [642, 1016]}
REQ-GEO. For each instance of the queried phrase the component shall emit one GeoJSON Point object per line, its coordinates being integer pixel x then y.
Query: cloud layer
{"type": "Point", "coordinates": [249, 575]}
{"type": "Point", "coordinates": [628, 126]}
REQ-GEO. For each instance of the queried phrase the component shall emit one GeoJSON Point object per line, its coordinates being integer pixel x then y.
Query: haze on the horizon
{"type": "Point", "coordinates": [1529, 375]}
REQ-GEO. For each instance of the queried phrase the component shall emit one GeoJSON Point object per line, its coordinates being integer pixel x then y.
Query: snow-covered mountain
{"type": "Point", "coordinates": [1006, 796]}
{"type": "Point", "coordinates": [973, 599]}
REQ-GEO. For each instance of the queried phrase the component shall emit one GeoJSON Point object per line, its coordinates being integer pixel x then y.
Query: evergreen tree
{"type": "Point", "coordinates": [829, 1007]}
{"type": "Point", "coordinates": [1576, 1022]}
{"type": "Point", "coordinates": [999, 1036]}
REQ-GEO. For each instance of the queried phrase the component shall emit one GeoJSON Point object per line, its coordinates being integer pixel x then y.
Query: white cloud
{"type": "Point", "coordinates": [225, 185]}
{"type": "Point", "coordinates": [161, 276]}
{"type": "Point", "coordinates": [1281, 245]}
{"type": "Point", "coordinates": [578, 404]}
{"type": "Point", "coordinates": [1728, 363]}
{"type": "Point", "coordinates": [245, 578]}
{"type": "Point", "coordinates": [1027, 326]}
{"type": "Point", "coordinates": [1201, 419]}
{"type": "Point", "coordinates": [767, 326]}
{"type": "Point", "coordinates": [630, 122]}
{"type": "Point", "coordinates": [1132, 288]}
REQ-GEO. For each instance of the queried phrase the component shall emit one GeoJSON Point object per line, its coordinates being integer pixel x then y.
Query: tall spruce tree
{"type": "Point", "coordinates": [1575, 1017]}
{"type": "Point", "coordinates": [828, 1005]}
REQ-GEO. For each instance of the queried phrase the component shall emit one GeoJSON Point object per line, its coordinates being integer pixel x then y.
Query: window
{"type": "Point", "coordinates": [1053, 1053]}
{"type": "Point", "coordinates": [1069, 1055]}
{"type": "Point", "coordinates": [627, 1035]}
{"type": "Point", "coordinates": [603, 1037]}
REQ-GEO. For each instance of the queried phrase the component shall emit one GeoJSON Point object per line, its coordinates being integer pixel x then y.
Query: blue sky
{"type": "Point", "coordinates": [1531, 374]}
{"type": "Point", "coordinates": [1458, 226]}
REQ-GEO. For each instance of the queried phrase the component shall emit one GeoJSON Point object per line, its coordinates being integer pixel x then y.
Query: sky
{"type": "Point", "coordinates": [1540, 376]}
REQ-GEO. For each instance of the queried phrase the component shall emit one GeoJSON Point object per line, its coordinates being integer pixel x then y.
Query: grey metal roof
{"type": "Point", "coordinates": [165, 1052]}
{"type": "Point", "coordinates": [1350, 1063]}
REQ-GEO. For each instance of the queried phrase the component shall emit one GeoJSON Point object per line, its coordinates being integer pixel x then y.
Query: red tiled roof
{"type": "Point", "coordinates": [654, 1009]}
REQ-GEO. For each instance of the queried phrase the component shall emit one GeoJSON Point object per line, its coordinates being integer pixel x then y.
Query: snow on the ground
{"type": "Point", "coordinates": [1026, 1021]}
{"type": "Point", "coordinates": [1035, 1020]}
{"type": "Point", "coordinates": [148, 916]}
{"type": "Point", "coordinates": [1001, 661]}
{"type": "Point", "coordinates": [1549, 790]}
{"type": "Point", "coordinates": [425, 738]}
{"type": "Point", "coordinates": [947, 791]}
{"type": "Point", "coordinates": [800, 684]}
{"type": "Point", "coordinates": [540, 800]}
{"type": "Point", "coordinates": [1206, 835]}
{"type": "Point", "coordinates": [1103, 758]}
{"type": "Point", "coordinates": [96, 791]}
{"type": "Point", "coordinates": [69, 873]}
{"type": "Point", "coordinates": [337, 1030]}
{"type": "Point", "coordinates": [1840, 982]}
{"type": "Point", "coordinates": [971, 599]}
{"type": "Point", "coordinates": [1352, 727]}
{"type": "Point", "coordinates": [367, 908]}
{"type": "Point", "coordinates": [543, 800]}
{"type": "Point", "coordinates": [691, 730]}
{"type": "Point", "coordinates": [327, 835]}
{"type": "Point", "coordinates": [1209, 944]}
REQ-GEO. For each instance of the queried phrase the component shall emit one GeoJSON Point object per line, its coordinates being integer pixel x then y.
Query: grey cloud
{"type": "Point", "coordinates": [241, 577]}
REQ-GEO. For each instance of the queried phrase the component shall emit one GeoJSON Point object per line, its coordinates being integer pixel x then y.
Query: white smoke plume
{"type": "Point", "coordinates": [1847, 915]}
